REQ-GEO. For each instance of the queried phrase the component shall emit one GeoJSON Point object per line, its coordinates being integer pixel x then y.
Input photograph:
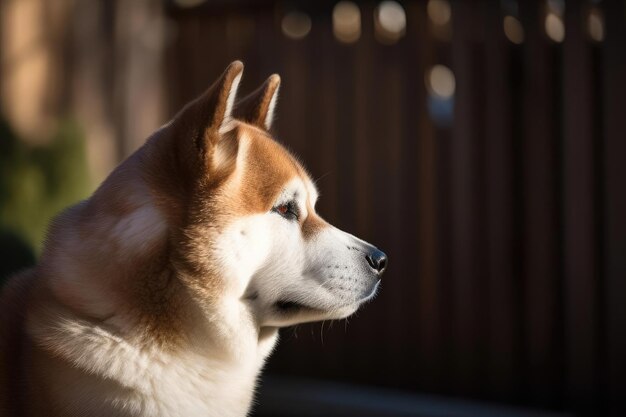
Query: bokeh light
{"type": "Point", "coordinates": [555, 29]}
{"type": "Point", "coordinates": [296, 25]}
{"type": "Point", "coordinates": [347, 22]}
{"type": "Point", "coordinates": [389, 22]}
{"type": "Point", "coordinates": [439, 11]}
{"type": "Point", "coordinates": [595, 25]}
{"type": "Point", "coordinates": [513, 30]}
{"type": "Point", "coordinates": [440, 81]}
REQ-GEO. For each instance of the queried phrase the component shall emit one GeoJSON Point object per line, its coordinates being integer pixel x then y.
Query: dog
{"type": "Point", "coordinates": [162, 294]}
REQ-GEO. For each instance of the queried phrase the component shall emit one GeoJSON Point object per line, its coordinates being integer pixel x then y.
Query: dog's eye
{"type": "Point", "coordinates": [288, 210]}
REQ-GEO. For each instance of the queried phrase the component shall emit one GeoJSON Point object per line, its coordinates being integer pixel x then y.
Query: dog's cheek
{"type": "Point", "coordinates": [244, 246]}
{"type": "Point", "coordinates": [288, 247]}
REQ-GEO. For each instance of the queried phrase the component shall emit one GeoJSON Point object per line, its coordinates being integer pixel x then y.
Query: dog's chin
{"type": "Point", "coordinates": [287, 313]}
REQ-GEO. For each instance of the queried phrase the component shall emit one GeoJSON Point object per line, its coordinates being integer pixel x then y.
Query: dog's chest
{"type": "Point", "coordinates": [192, 387]}
{"type": "Point", "coordinates": [190, 390]}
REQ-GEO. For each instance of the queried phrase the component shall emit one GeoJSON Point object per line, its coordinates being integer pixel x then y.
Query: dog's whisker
{"type": "Point", "coordinates": [316, 181]}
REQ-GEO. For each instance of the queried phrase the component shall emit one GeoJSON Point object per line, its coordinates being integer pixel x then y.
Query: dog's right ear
{"type": "Point", "coordinates": [204, 120]}
{"type": "Point", "coordinates": [257, 108]}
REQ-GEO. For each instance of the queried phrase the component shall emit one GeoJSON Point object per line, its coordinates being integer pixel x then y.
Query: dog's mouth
{"type": "Point", "coordinates": [287, 307]}
{"type": "Point", "coordinates": [290, 307]}
{"type": "Point", "coordinates": [372, 292]}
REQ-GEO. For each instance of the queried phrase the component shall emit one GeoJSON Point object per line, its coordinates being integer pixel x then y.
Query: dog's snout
{"type": "Point", "coordinates": [377, 260]}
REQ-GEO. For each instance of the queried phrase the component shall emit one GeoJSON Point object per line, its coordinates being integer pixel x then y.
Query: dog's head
{"type": "Point", "coordinates": [248, 231]}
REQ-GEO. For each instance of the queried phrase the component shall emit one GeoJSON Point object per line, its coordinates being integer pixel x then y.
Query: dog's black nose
{"type": "Point", "coordinates": [377, 260]}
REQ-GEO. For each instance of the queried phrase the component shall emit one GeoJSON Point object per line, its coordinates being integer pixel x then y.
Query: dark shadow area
{"type": "Point", "coordinates": [289, 397]}
{"type": "Point", "coordinates": [15, 254]}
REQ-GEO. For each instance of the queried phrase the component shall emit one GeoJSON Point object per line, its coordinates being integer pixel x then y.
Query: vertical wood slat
{"type": "Point", "coordinates": [614, 231]}
{"type": "Point", "coordinates": [578, 175]}
{"type": "Point", "coordinates": [397, 180]}
{"type": "Point", "coordinates": [293, 94]}
{"type": "Point", "coordinates": [466, 194]}
{"type": "Point", "coordinates": [415, 166]}
{"type": "Point", "coordinates": [421, 164]}
{"type": "Point", "coordinates": [503, 340]}
{"type": "Point", "coordinates": [461, 207]}
{"type": "Point", "coordinates": [323, 123]}
{"type": "Point", "coordinates": [540, 245]}
{"type": "Point", "coordinates": [442, 54]}
{"type": "Point", "coordinates": [364, 58]}
{"type": "Point", "coordinates": [345, 140]}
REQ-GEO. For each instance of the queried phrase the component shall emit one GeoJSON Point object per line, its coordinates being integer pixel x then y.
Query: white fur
{"type": "Point", "coordinates": [269, 117]}
{"type": "Point", "coordinates": [312, 192]}
{"type": "Point", "coordinates": [243, 247]}
{"type": "Point", "coordinates": [190, 383]}
{"type": "Point", "coordinates": [230, 101]}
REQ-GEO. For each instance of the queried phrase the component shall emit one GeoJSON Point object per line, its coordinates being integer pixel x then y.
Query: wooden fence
{"type": "Point", "coordinates": [505, 226]}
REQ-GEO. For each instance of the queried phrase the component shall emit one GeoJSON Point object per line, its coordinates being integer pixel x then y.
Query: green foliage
{"type": "Point", "coordinates": [36, 183]}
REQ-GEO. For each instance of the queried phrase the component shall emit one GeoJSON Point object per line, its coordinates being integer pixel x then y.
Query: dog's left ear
{"type": "Point", "coordinates": [257, 108]}
{"type": "Point", "coordinates": [215, 107]}
{"type": "Point", "coordinates": [202, 123]}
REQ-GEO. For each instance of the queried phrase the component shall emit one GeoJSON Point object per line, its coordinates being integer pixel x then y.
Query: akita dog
{"type": "Point", "coordinates": [162, 293]}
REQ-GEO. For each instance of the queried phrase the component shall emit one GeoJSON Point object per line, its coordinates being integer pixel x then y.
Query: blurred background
{"type": "Point", "coordinates": [481, 144]}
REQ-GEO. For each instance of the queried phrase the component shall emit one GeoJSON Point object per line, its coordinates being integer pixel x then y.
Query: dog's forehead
{"type": "Point", "coordinates": [270, 171]}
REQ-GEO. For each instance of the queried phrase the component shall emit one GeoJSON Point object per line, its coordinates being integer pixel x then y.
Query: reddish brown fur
{"type": "Point", "coordinates": [269, 168]}
{"type": "Point", "coordinates": [313, 224]}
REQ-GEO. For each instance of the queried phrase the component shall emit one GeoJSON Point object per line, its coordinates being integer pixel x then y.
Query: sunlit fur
{"type": "Point", "coordinates": [162, 293]}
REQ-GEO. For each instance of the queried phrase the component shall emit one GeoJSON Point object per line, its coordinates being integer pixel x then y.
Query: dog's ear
{"type": "Point", "coordinates": [213, 109]}
{"type": "Point", "coordinates": [200, 125]}
{"type": "Point", "coordinates": [258, 107]}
